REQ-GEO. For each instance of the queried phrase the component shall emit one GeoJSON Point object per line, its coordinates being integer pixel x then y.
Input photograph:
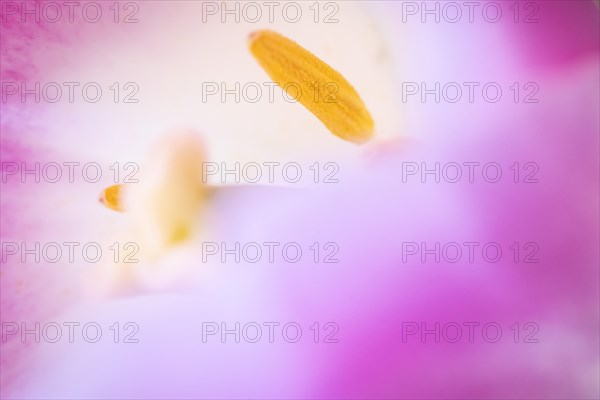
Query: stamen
{"type": "Point", "coordinates": [323, 90]}
{"type": "Point", "coordinates": [111, 197]}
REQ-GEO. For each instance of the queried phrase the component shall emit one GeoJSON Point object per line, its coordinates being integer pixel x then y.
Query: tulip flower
{"type": "Point", "coordinates": [453, 253]}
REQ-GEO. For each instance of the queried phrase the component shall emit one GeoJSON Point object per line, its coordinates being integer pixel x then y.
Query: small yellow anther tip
{"type": "Point", "coordinates": [111, 198]}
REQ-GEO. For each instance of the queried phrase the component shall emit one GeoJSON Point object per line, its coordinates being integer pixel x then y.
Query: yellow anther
{"type": "Point", "coordinates": [317, 86]}
{"type": "Point", "coordinates": [111, 197]}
